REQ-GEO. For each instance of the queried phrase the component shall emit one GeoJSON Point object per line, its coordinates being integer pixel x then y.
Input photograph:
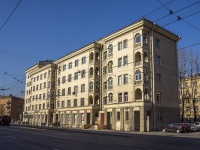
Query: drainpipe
{"type": "Point", "coordinates": [152, 74]}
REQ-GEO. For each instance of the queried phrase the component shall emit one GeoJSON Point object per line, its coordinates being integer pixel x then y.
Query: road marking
{"type": "Point", "coordinates": [55, 149]}
{"type": "Point", "coordinates": [10, 137]}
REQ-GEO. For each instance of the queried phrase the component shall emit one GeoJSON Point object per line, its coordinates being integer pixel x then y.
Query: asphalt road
{"type": "Point", "coordinates": [21, 138]}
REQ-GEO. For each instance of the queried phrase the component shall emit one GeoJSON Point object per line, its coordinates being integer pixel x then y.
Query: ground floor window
{"type": "Point", "coordinates": [74, 118]}
{"type": "Point", "coordinates": [82, 118]}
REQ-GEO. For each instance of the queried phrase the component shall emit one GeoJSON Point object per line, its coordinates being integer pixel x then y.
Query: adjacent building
{"type": "Point", "coordinates": [124, 81]}
{"type": "Point", "coordinates": [189, 89]}
{"type": "Point", "coordinates": [12, 106]}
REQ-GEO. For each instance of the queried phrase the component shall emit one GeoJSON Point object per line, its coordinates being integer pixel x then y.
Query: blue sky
{"type": "Point", "coordinates": [50, 29]}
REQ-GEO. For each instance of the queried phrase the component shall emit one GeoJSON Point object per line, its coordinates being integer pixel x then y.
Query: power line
{"type": "Point", "coordinates": [178, 17]}
{"type": "Point", "coordinates": [10, 15]}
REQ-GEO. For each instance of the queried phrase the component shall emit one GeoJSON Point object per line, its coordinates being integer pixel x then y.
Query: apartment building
{"type": "Point", "coordinates": [124, 81]}
{"type": "Point", "coordinates": [189, 91]}
{"type": "Point", "coordinates": [12, 106]}
{"type": "Point", "coordinates": [40, 93]}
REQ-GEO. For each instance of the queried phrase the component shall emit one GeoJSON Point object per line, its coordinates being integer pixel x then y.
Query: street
{"type": "Point", "coordinates": [22, 138]}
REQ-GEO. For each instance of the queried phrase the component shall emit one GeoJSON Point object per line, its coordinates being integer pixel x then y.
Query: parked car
{"type": "Point", "coordinates": [192, 127]}
{"type": "Point", "coordinates": [197, 124]}
{"type": "Point", "coordinates": [174, 127]}
{"type": "Point", "coordinates": [187, 126]}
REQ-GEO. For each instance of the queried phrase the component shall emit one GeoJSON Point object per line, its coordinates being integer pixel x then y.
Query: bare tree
{"type": "Point", "coordinates": [183, 71]}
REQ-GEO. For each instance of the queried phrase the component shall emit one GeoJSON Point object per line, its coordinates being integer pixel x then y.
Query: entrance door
{"type": "Point", "coordinates": [102, 118]}
{"type": "Point", "coordinates": [137, 120]}
{"type": "Point", "coordinates": [109, 123]}
{"type": "Point", "coordinates": [88, 118]}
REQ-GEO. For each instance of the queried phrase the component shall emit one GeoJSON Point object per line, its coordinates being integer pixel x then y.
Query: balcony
{"type": "Point", "coordinates": [139, 82]}
{"type": "Point", "coordinates": [110, 54]}
{"type": "Point", "coordinates": [137, 45]}
{"type": "Point", "coordinates": [110, 70]}
{"type": "Point", "coordinates": [141, 63]}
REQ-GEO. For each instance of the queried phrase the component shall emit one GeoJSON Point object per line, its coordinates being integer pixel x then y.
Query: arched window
{"type": "Point", "coordinates": [110, 82]}
{"type": "Point", "coordinates": [137, 38]}
{"type": "Point", "coordinates": [138, 75]}
{"type": "Point", "coordinates": [138, 94]}
{"type": "Point", "coordinates": [91, 56]}
{"type": "Point", "coordinates": [90, 99]}
{"type": "Point", "coordinates": [110, 97]}
{"type": "Point", "coordinates": [91, 85]}
{"type": "Point", "coordinates": [91, 71]}
{"type": "Point", "coordinates": [110, 48]}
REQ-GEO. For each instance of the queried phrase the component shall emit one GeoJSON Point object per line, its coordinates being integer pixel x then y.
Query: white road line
{"type": "Point", "coordinates": [55, 149]}
{"type": "Point", "coordinates": [10, 137]}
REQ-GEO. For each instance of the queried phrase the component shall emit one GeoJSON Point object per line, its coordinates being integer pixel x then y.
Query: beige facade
{"type": "Point", "coordinates": [124, 81]}
{"type": "Point", "coordinates": [189, 90]}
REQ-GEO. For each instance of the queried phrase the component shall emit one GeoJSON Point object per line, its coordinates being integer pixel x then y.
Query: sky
{"type": "Point", "coordinates": [34, 30]}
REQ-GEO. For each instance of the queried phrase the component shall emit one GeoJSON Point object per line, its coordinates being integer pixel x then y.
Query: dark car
{"type": "Point", "coordinates": [187, 126]}
{"type": "Point", "coordinates": [174, 127]}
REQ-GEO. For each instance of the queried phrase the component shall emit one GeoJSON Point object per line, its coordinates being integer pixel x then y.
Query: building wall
{"type": "Point", "coordinates": [138, 103]}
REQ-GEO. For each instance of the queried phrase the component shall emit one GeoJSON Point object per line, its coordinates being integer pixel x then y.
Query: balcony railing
{"type": "Point", "coordinates": [138, 82]}
{"type": "Point", "coordinates": [110, 70]}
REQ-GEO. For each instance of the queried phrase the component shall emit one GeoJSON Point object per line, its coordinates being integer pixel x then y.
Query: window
{"type": "Point", "coordinates": [119, 62]}
{"type": "Point", "coordinates": [40, 96]}
{"type": "Point", "coordinates": [196, 100]}
{"type": "Point", "coordinates": [91, 85]}
{"type": "Point", "coordinates": [83, 74]}
{"type": "Point", "coordinates": [41, 76]}
{"type": "Point", "coordinates": [37, 78]}
{"type": "Point", "coordinates": [187, 101]}
{"type": "Point", "coordinates": [104, 70]}
{"type": "Point", "coordinates": [74, 118]}
{"type": "Point", "coordinates": [145, 38]}
{"type": "Point", "coordinates": [110, 82]}
{"type": "Point", "coordinates": [76, 62]}
{"type": "Point", "coordinates": [158, 78]}
{"type": "Point", "coordinates": [138, 75]}
{"type": "Point", "coordinates": [188, 117]}
{"type": "Point", "coordinates": [110, 97]}
{"type": "Point", "coordinates": [82, 88]}
{"type": "Point", "coordinates": [118, 116]}
{"type": "Point", "coordinates": [63, 79]}
{"type": "Point", "coordinates": [64, 67]}
{"type": "Point", "coordinates": [125, 43]}
{"type": "Point", "coordinates": [196, 108]}
{"type": "Point", "coordinates": [110, 48]}
{"type": "Point", "coordinates": [105, 85]}
{"type": "Point", "coordinates": [83, 60]}
{"type": "Point", "coordinates": [58, 103]}
{"type": "Point", "coordinates": [158, 97]}
{"type": "Point", "coordinates": [126, 79]}
{"type": "Point", "coordinates": [125, 96]}
{"type": "Point", "coordinates": [63, 92]}
{"type": "Point", "coordinates": [104, 55]}
{"type": "Point", "coordinates": [68, 103]}
{"type": "Point", "coordinates": [36, 87]}
{"type": "Point", "coordinates": [63, 104]}
{"type": "Point", "coordinates": [69, 77]}
{"type": "Point", "coordinates": [76, 89]}
{"type": "Point", "coordinates": [41, 86]}
{"type": "Point", "coordinates": [82, 101]}
{"type": "Point", "coordinates": [195, 91]}
{"type": "Point", "coordinates": [75, 102]}
{"type": "Point", "coordinates": [125, 60]}
{"type": "Point", "coordinates": [126, 115]}
{"type": "Point", "coordinates": [75, 75]}
{"type": "Point", "coordinates": [70, 65]}
{"type": "Point", "coordinates": [119, 46]}
{"type": "Point", "coordinates": [137, 38]}
{"type": "Point", "coordinates": [119, 97]}
{"type": "Point", "coordinates": [187, 108]}
{"type": "Point", "coordinates": [158, 60]}
{"type": "Point", "coordinates": [119, 80]}
{"type": "Point", "coordinates": [44, 95]}
{"type": "Point", "coordinates": [44, 84]}
{"type": "Point", "coordinates": [160, 117]}
{"type": "Point", "coordinates": [157, 43]}
{"type": "Point", "coordinates": [69, 91]}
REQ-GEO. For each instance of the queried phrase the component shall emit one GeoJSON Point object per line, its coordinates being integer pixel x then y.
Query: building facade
{"type": "Point", "coordinates": [124, 81]}
{"type": "Point", "coordinates": [12, 106]}
{"type": "Point", "coordinates": [189, 90]}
